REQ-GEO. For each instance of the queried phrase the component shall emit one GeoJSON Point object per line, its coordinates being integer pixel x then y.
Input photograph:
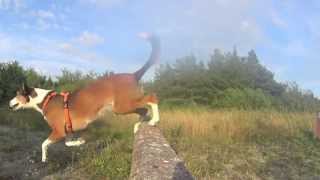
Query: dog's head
{"type": "Point", "coordinates": [23, 98]}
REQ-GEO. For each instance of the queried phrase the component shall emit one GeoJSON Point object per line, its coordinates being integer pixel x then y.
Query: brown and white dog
{"type": "Point", "coordinates": [119, 93]}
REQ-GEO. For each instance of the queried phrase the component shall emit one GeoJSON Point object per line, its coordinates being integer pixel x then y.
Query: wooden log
{"type": "Point", "coordinates": [316, 130]}
{"type": "Point", "coordinates": [154, 159]}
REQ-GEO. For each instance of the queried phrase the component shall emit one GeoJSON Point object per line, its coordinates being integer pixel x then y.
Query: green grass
{"type": "Point", "coordinates": [23, 119]}
{"type": "Point", "coordinates": [215, 144]}
{"type": "Point", "coordinates": [110, 156]}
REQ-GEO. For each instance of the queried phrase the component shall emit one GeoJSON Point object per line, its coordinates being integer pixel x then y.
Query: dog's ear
{"type": "Point", "coordinates": [25, 87]}
{"type": "Point", "coordinates": [32, 92]}
{"type": "Point", "coordinates": [28, 91]}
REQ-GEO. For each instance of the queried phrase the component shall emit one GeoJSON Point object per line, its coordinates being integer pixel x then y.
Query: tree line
{"type": "Point", "coordinates": [226, 80]}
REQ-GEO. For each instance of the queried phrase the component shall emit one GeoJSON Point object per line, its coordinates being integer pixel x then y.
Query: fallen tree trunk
{"type": "Point", "coordinates": [154, 159]}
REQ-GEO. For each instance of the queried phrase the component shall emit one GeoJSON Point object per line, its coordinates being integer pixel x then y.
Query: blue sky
{"type": "Point", "coordinates": [101, 35]}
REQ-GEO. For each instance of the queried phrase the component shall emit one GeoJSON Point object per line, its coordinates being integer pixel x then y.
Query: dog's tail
{"type": "Point", "coordinates": [154, 57]}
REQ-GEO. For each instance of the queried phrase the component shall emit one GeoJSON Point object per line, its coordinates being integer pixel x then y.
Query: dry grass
{"type": "Point", "coordinates": [215, 144]}
{"type": "Point", "coordinates": [234, 144]}
{"type": "Point", "coordinates": [227, 144]}
{"type": "Point", "coordinates": [235, 124]}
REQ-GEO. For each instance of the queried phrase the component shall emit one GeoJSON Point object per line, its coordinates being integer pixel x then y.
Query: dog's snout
{"type": "Point", "coordinates": [12, 104]}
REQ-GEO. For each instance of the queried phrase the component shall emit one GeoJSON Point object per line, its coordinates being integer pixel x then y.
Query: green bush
{"type": "Point", "coordinates": [245, 99]}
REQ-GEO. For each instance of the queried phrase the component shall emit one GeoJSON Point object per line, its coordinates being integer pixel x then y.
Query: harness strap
{"type": "Point", "coordinates": [48, 98]}
{"type": "Point", "coordinates": [67, 118]}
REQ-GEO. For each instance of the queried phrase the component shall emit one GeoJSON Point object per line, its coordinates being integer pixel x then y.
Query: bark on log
{"type": "Point", "coordinates": [316, 130]}
{"type": "Point", "coordinates": [154, 159]}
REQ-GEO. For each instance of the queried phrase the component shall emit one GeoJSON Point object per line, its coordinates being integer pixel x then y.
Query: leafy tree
{"type": "Point", "coordinates": [228, 80]}
{"type": "Point", "coordinates": [11, 78]}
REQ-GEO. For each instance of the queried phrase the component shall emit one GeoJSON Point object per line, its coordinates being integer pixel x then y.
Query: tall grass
{"type": "Point", "coordinates": [234, 144]}
{"type": "Point", "coordinates": [215, 144]}
{"type": "Point", "coordinates": [225, 144]}
{"type": "Point", "coordinates": [235, 125]}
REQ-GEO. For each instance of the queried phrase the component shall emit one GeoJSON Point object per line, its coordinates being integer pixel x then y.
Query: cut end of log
{"type": "Point", "coordinates": [153, 158]}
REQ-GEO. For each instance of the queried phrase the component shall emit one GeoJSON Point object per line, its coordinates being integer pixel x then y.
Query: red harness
{"type": "Point", "coordinates": [67, 119]}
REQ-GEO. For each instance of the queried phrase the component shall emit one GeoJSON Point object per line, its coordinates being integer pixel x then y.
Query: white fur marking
{"type": "Point", "coordinates": [77, 142]}
{"type": "Point", "coordinates": [13, 102]}
{"type": "Point", "coordinates": [33, 103]}
{"type": "Point", "coordinates": [136, 127]}
{"type": "Point", "coordinates": [155, 114]}
{"type": "Point", "coordinates": [45, 146]}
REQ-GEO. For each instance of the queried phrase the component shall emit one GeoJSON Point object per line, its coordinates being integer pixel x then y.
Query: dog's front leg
{"type": "Point", "coordinates": [53, 138]}
{"type": "Point", "coordinates": [45, 146]}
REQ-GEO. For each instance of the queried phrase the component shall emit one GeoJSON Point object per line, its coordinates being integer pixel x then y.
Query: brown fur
{"type": "Point", "coordinates": [120, 91]}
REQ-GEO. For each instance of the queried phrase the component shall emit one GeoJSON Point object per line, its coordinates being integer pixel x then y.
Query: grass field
{"type": "Point", "coordinates": [215, 144]}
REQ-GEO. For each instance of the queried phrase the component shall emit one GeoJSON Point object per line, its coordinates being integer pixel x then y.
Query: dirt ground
{"type": "Point", "coordinates": [20, 156]}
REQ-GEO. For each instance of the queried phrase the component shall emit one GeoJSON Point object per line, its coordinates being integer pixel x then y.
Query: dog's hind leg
{"type": "Point", "coordinates": [155, 116]}
{"type": "Point", "coordinates": [142, 112]}
{"type": "Point", "coordinates": [74, 141]}
{"type": "Point", "coordinates": [152, 101]}
{"type": "Point", "coordinates": [155, 113]}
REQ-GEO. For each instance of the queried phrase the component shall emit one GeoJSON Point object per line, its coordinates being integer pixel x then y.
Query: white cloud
{"type": "Point", "coordinates": [67, 48]}
{"type": "Point", "coordinates": [277, 20]}
{"type": "Point", "coordinates": [45, 20]}
{"type": "Point", "coordinates": [104, 3]}
{"type": "Point", "coordinates": [5, 43]}
{"type": "Point", "coordinates": [44, 14]}
{"type": "Point", "coordinates": [84, 56]}
{"type": "Point", "coordinates": [11, 4]}
{"type": "Point", "coordinates": [49, 55]}
{"type": "Point", "coordinates": [202, 25]}
{"type": "Point", "coordinates": [52, 68]}
{"type": "Point", "coordinates": [43, 24]}
{"type": "Point", "coordinates": [89, 39]}
{"type": "Point", "coordinates": [313, 26]}
{"type": "Point", "coordinates": [296, 49]}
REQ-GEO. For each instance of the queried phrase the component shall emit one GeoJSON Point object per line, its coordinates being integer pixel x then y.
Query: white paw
{"type": "Point", "coordinates": [153, 122]}
{"type": "Point", "coordinates": [77, 142]}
